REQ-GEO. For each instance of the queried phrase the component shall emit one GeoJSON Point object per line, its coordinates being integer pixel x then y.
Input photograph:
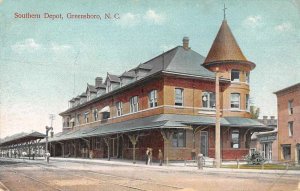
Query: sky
{"type": "Point", "coordinates": [39, 57]}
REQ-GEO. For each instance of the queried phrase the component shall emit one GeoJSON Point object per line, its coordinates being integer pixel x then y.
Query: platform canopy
{"type": "Point", "coordinates": [162, 121]}
{"type": "Point", "coordinates": [22, 138]}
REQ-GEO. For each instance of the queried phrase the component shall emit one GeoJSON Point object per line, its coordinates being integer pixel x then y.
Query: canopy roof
{"type": "Point", "coordinates": [22, 138]}
{"type": "Point", "coordinates": [162, 121]}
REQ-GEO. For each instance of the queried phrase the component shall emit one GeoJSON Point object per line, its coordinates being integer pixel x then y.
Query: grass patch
{"type": "Point", "coordinates": [266, 167]}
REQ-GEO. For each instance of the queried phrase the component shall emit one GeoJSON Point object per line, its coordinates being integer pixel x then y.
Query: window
{"type": "Point", "coordinates": [290, 107]}
{"type": "Point", "coordinates": [178, 96]}
{"type": "Point", "coordinates": [235, 75]}
{"type": "Point", "coordinates": [291, 128]}
{"type": "Point", "coordinates": [247, 102]}
{"type": "Point", "coordinates": [179, 139]}
{"type": "Point", "coordinates": [134, 104]}
{"type": "Point", "coordinates": [286, 151]}
{"type": "Point", "coordinates": [95, 113]}
{"type": "Point", "coordinates": [252, 151]}
{"type": "Point", "coordinates": [235, 139]}
{"type": "Point", "coordinates": [235, 101]}
{"type": "Point", "coordinates": [119, 107]}
{"type": "Point", "coordinates": [77, 119]}
{"type": "Point", "coordinates": [86, 117]}
{"type": "Point", "coordinates": [152, 98]}
{"type": "Point", "coordinates": [248, 77]}
{"type": "Point", "coordinates": [105, 115]}
{"type": "Point", "coordinates": [209, 100]}
{"type": "Point", "coordinates": [96, 143]}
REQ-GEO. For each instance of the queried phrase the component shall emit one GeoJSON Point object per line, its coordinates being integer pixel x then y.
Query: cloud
{"type": "Point", "coordinates": [252, 21]}
{"type": "Point", "coordinates": [28, 44]}
{"type": "Point", "coordinates": [129, 19]}
{"type": "Point", "coordinates": [57, 48]}
{"type": "Point", "coordinates": [284, 27]}
{"type": "Point", "coordinates": [153, 17]}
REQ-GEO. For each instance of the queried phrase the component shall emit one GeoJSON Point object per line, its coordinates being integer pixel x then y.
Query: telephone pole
{"type": "Point", "coordinates": [217, 129]}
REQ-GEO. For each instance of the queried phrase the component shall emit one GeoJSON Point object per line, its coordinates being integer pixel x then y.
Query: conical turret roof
{"type": "Point", "coordinates": [224, 47]}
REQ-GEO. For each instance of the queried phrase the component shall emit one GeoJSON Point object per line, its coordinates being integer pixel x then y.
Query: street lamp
{"type": "Point", "coordinates": [217, 129]}
{"type": "Point", "coordinates": [47, 131]}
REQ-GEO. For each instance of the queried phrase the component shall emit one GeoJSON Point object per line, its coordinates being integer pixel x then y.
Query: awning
{"type": "Point", "coordinates": [105, 109]}
{"type": "Point", "coordinates": [162, 121]}
{"type": "Point", "coordinates": [22, 138]}
{"type": "Point", "coordinates": [72, 120]}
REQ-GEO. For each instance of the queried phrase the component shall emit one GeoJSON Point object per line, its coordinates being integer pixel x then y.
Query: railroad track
{"type": "Point", "coordinates": [30, 178]}
{"type": "Point", "coordinates": [98, 180]}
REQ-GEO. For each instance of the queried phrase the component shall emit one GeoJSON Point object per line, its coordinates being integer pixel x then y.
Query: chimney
{"type": "Point", "coordinates": [265, 120]}
{"type": "Point", "coordinates": [272, 120]}
{"type": "Point", "coordinates": [185, 43]}
{"type": "Point", "coordinates": [98, 81]}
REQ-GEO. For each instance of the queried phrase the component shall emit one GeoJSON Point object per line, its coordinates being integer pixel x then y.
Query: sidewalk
{"type": "Point", "coordinates": [173, 166]}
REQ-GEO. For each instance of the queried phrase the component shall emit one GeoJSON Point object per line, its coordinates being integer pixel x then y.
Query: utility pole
{"type": "Point", "coordinates": [51, 117]}
{"type": "Point", "coordinates": [217, 129]}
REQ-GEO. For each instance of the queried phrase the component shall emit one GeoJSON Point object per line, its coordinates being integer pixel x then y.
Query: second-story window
{"type": "Point", "coordinates": [78, 119]}
{"type": "Point", "coordinates": [95, 113]}
{"type": "Point", "coordinates": [290, 107]}
{"type": "Point", "coordinates": [291, 128]}
{"type": "Point", "coordinates": [134, 104]}
{"type": "Point", "coordinates": [248, 77]}
{"type": "Point", "coordinates": [235, 75]}
{"type": "Point", "coordinates": [86, 117]}
{"type": "Point", "coordinates": [119, 107]}
{"type": "Point", "coordinates": [208, 100]}
{"type": "Point", "coordinates": [152, 98]}
{"type": "Point", "coordinates": [179, 96]}
{"type": "Point", "coordinates": [235, 101]}
{"type": "Point", "coordinates": [247, 102]}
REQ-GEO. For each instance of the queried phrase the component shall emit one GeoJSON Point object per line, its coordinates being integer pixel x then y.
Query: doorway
{"type": "Point", "coordinates": [204, 143]}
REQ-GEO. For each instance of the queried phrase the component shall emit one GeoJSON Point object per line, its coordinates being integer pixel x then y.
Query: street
{"type": "Point", "coordinates": [16, 174]}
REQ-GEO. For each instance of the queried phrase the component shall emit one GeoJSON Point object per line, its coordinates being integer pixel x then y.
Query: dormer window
{"type": "Point", "coordinates": [235, 75]}
{"type": "Point", "coordinates": [108, 86]}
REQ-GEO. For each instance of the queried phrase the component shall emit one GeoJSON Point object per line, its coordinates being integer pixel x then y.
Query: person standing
{"type": "Point", "coordinates": [147, 155]}
{"type": "Point", "coordinates": [150, 156]}
{"type": "Point", "coordinates": [47, 156]}
{"type": "Point", "coordinates": [160, 157]}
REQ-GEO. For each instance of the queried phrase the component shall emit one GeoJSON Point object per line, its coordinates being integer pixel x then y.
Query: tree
{"type": "Point", "coordinates": [254, 111]}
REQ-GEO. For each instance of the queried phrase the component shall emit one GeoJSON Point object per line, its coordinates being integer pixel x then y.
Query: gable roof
{"type": "Point", "coordinates": [112, 78]}
{"type": "Point", "coordinates": [129, 74]}
{"type": "Point", "coordinates": [91, 88]}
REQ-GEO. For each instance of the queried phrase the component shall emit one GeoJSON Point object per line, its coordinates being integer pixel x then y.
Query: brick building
{"type": "Point", "coordinates": [288, 104]}
{"type": "Point", "coordinates": [165, 103]}
{"type": "Point", "coordinates": [266, 142]}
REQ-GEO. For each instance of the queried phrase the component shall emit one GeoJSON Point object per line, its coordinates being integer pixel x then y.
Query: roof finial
{"type": "Point", "coordinates": [224, 9]}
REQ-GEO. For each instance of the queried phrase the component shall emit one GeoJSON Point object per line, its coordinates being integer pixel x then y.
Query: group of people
{"type": "Point", "coordinates": [149, 156]}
